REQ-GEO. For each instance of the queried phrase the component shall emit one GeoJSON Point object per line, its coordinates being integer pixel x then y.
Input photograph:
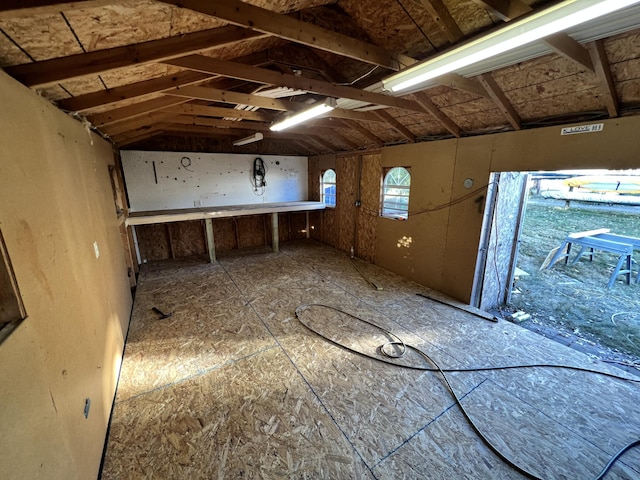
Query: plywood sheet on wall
{"type": "Point", "coordinates": [367, 213]}
{"type": "Point", "coordinates": [153, 242]}
{"type": "Point", "coordinates": [224, 233]}
{"type": "Point", "coordinates": [347, 168]}
{"type": "Point", "coordinates": [173, 180]}
{"type": "Point", "coordinates": [188, 238]}
{"type": "Point", "coordinates": [252, 230]}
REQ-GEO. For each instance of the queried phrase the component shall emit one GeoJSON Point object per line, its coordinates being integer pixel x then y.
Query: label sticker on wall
{"type": "Point", "coordinates": [594, 127]}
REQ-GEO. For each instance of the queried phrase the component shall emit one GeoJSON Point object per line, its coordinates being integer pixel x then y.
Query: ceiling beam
{"type": "Point", "coordinates": [292, 29]}
{"type": "Point", "coordinates": [453, 80]}
{"type": "Point", "coordinates": [135, 110]}
{"type": "Point", "coordinates": [21, 8]}
{"type": "Point", "coordinates": [235, 98]}
{"type": "Point", "coordinates": [47, 72]}
{"type": "Point", "coordinates": [603, 72]}
{"type": "Point", "coordinates": [561, 43]}
{"type": "Point", "coordinates": [136, 136]}
{"type": "Point", "coordinates": [443, 19]}
{"type": "Point", "coordinates": [321, 141]}
{"type": "Point", "coordinates": [436, 113]}
{"type": "Point", "coordinates": [135, 123]}
{"type": "Point", "coordinates": [146, 87]}
{"type": "Point", "coordinates": [271, 77]}
{"type": "Point", "coordinates": [220, 112]}
{"type": "Point", "coordinates": [132, 90]}
{"type": "Point", "coordinates": [567, 47]}
{"type": "Point", "coordinates": [501, 100]}
{"type": "Point", "coordinates": [363, 131]}
{"type": "Point", "coordinates": [384, 115]}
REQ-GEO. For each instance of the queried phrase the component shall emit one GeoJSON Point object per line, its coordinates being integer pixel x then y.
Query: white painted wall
{"type": "Point", "coordinates": [188, 180]}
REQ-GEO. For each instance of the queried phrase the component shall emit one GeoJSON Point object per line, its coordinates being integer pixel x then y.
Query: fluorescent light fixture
{"type": "Point", "coordinates": [515, 34]}
{"type": "Point", "coordinates": [315, 111]}
{"type": "Point", "coordinates": [250, 139]}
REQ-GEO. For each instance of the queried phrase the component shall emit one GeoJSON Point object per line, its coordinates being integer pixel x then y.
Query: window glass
{"type": "Point", "coordinates": [395, 193]}
{"type": "Point", "coordinates": [328, 188]}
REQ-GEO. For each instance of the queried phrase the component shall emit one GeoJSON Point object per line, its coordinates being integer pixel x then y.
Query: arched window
{"type": "Point", "coordinates": [328, 188]}
{"type": "Point", "coordinates": [395, 193]}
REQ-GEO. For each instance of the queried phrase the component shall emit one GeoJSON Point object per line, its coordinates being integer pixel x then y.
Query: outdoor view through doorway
{"type": "Point", "coordinates": [569, 300]}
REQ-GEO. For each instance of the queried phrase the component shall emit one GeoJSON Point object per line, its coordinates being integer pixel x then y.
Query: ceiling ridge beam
{"type": "Point", "coordinates": [438, 114]}
{"type": "Point", "coordinates": [396, 125]}
{"type": "Point", "coordinates": [47, 72]}
{"type": "Point", "coordinates": [294, 30]}
{"type": "Point", "coordinates": [505, 106]}
{"type": "Point", "coordinates": [271, 77]}
{"type": "Point", "coordinates": [603, 72]}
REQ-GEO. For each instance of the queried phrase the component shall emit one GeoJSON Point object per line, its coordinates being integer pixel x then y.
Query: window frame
{"type": "Point", "coordinates": [323, 195]}
{"type": "Point", "coordinates": [391, 211]}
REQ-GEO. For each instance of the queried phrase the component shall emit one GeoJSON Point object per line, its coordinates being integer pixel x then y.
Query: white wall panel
{"type": "Point", "coordinates": [188, 180]}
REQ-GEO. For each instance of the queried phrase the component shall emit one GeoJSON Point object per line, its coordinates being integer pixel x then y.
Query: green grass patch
{"type": "Point", "coordinates": [575, 298]}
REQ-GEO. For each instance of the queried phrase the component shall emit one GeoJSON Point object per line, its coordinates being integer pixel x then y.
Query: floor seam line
{"type": "Point", "coordinates": [304, 379]}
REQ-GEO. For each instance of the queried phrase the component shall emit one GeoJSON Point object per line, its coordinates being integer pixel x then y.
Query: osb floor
{"type": "Point", "coordinates": [234, 386]}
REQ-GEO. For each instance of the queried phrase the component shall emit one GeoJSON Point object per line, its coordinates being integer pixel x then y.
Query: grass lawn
{"type": "Point", "coordinates": [574, 298]}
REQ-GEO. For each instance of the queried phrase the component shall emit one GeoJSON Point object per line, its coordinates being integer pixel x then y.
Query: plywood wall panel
{"type": "Point", "coordinates": [367, 213]}
{"type": "Point", "coordinates": [346, 188]}
{"type": "Point", "coordinates": [251, 230]}
{"type": "Point", "coordinates": [153, 242]}
{"type": "Point", "coordinates": [61, 230]}
{"type": "Point", "coordinates": [188, 238]}
{"type": "Point", "coordinates": [224, 234]}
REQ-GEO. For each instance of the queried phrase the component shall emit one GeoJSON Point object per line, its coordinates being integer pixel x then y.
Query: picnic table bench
{"type": "Point", "coordinates": [601, 239]}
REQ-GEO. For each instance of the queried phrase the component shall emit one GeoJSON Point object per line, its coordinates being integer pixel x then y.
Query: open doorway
{"type": "Point", "coordinates": [527, 268]}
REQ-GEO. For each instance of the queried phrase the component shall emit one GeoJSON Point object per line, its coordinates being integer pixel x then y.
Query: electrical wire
{"type": "Point", "coordinates": [396, 341]}
{"type": "Point", "coordinates": [418, 26]}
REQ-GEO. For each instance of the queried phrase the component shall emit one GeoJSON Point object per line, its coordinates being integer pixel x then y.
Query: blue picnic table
{"type": "Point", "coordinates": [602, 240]}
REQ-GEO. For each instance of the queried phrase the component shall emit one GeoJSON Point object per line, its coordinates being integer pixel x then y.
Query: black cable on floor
{"type": "Point", "coordinates": [398, 342]}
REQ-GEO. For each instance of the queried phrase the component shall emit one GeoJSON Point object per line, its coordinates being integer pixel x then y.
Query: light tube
{"type": "Point", "coordinates": [315, 111]}
{"type": "Point", "coordinates": [515, 34]}
{"type": "Point", "coordinates": [250, 139]}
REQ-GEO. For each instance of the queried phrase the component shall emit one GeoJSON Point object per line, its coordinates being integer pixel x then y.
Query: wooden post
{"type": "Point", "coordinates": [275, 239]}
{"type": "Point", "coordinates": [307, 227]}
{"type": "Point", "coordinates": [211, 247]}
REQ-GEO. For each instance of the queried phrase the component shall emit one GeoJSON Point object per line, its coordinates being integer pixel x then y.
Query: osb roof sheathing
{"type": "Point", "coordinates": [544, 87]}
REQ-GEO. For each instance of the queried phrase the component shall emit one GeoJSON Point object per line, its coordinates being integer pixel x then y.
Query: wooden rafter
{"type": "Point", "coordinates": [364, 132]}
{"type": "Point", "coordinates": [220, 112]}
{"type": "Point", "coordinates": [47, 72]}
{"type": "Point", "coordinates": [135, 110]}
{"type": "Point", "coordinates": [139, 89]}
{"type": "Point", "coordinates": [432, 108]}
{"type": "Point", "coordinates": [443, 19]}
{"type": "Point", "coordinates": [262, 75]}
{"type": "Point", "coordinates": [131, 124]}
{"type": "Point", "coordinates": [404, 131]}
{"type": "Point", "coordinates": [501, 100]}
{"type": "Point", "coordinates": [235, 98]}
{"type": "Point", "coordinates": [292, 29]}
{"type": "Point", "coordinates": [321, 141]}
{"type": "Point", "coordinates": [133, 90]}
{"type": "Point", "coordinates": [561, 43]}
{"type": "Point", "coordinates": [459, 82]}
{"type": "Point", "coordinates": [603, 72]}
{"type": "Point", "coordinates": [136, 136]}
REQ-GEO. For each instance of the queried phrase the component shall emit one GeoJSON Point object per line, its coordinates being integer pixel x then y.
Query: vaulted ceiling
{"type": "Point", "coordinates": [199, 74]}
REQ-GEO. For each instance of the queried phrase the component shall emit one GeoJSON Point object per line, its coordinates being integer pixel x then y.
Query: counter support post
{"type": "Point", "coordinates": [275, 238]}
